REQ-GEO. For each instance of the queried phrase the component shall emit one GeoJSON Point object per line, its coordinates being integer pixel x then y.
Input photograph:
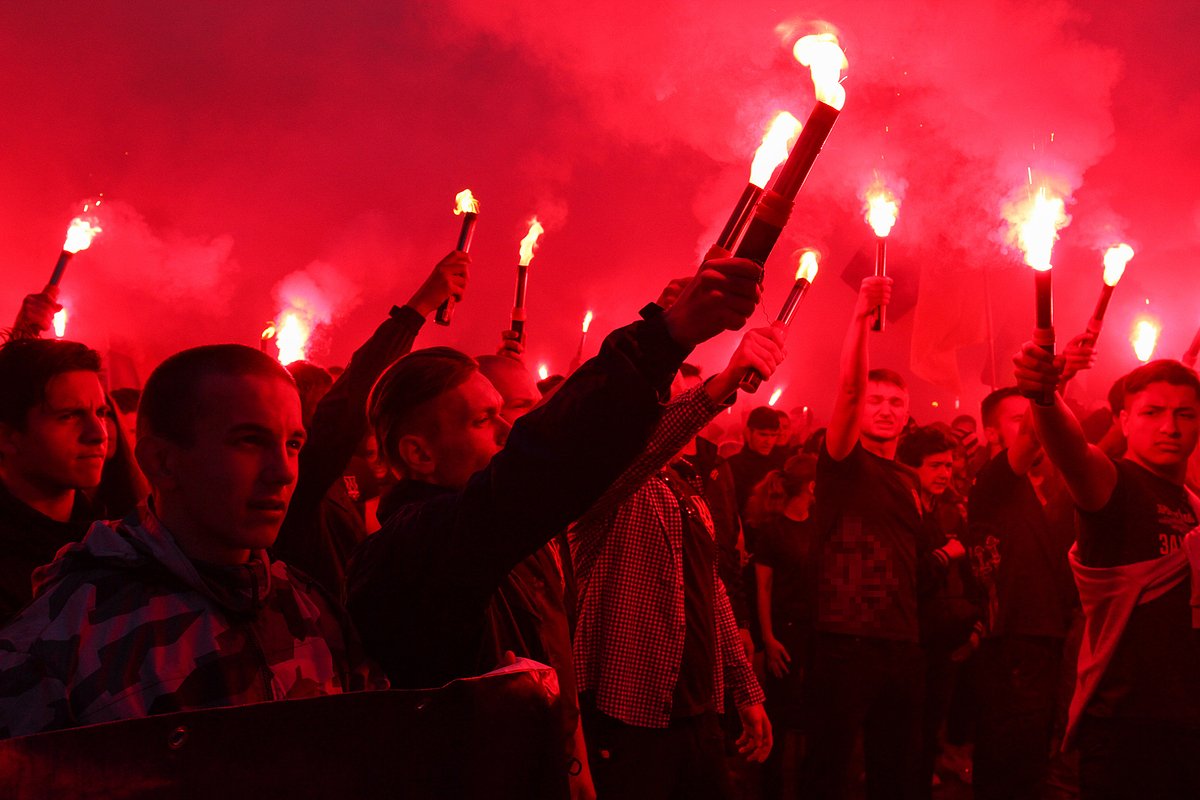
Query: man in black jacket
{"type": "Point", "coordinates": [472, 505]}
{"type": "Point", "coordinates": [323, 525]}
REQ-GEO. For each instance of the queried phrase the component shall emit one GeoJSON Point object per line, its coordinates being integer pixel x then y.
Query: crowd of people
{"type": "Point", "coordinates": [762, 610]}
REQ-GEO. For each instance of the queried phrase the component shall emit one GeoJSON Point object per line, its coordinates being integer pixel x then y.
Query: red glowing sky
{"type": "Point", "coordinates": [235, 146]}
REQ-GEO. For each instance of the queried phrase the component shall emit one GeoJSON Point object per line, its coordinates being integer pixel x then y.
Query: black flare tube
{"type": "Point", "coordinates": [60, 267]}
{"type": "Point", "coordinates": [751, 380]}
{"type": "Point", "coordinates": [740, 216]}
{"type": "Point", "coordinates": [880, 270]}
{"type": "Point", "coordinates": [445, 312]}
{"type": "Point", "coordinates": [1043, 334]}
{"type": "Point", "coordinates": [1097, 320]}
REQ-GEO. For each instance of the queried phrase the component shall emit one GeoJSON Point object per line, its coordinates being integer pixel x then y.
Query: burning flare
{"type": "Point", "coordinates": [291, 337]}
{"type": "Point", "coordinates": [530, 240]}
{"type": "Point", "coordinates": [1145, 338]}
{"type": "Point", "coordinates": [587, 321]}
{"type": "Point", "coordinates": [823, 56]}
{"type": "Point", "coordinates": [1115, 260]}
{"type": "Point", "coordinates": [80, 234]}
{"type": "Point", "coordinates": [60, 323]}
{"type": "Point", "coordinates": [777, 141]}
{"type": "Point", "coordinates": [775, 395]}
{"type": "Point", "coordinates": [465, 203]}
{"type": "Point", "coordinates": [543, 372]}
{"type": "Point", "coordinates": [807, 270]}
{"type": "Point", "coordinates": [1034, 224]}
{"type": "Point", "coordinates": [882, 208]}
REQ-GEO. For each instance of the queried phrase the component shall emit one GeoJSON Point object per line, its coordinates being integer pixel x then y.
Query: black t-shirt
{"type": "Point", "coordinates": [29, 539]}
{"type": "Point", "coordinates": [789, 548]}
{"type": "Point", "coordinates": [749, 468]}
{"type": "Point", "coordinates": [1018, 550]}
{"type": "Point", "coordinates": [1155, 672]}
{"type": "Point", "coordinates": [867, 515]}
{"type": "Point", "coordinates": [694, 690]}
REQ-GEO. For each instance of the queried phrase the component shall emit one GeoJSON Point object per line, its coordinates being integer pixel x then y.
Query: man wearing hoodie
{"type": "Point", "coordinates": [178, 607]}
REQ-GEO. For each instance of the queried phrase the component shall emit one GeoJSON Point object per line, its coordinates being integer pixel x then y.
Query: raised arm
{"type": "Point", "coordinates": [1089, 474]}
{"type": "Point", "coordinates": [842, 434]}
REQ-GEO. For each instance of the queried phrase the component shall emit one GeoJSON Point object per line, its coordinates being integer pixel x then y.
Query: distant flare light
{"type": "Point", "coordinates": [543, 372]}
{"type": "Point", "coordinates": [1115, 259]}
{"type": "Point", "coordinates": [1145, 338]}
{"type": "Point", "coordinates": [291, 337]}
{"type": "Point", "coordinates": [60, 323]}
{"type": "Point", "coordinates": [882, 207]}
{"type": "Point", "coordinates": [806, 272]}
{"type": "Point", "coordinates": [1034, 224]}
{"type": "Point", "coordinates": [587, 321]}
{"type": "Point", "coordinates": [775, 395]}
{"type": "Point", "coordinates": [526, 252]}
{"type": "Point", "coordinates": [466, 205]}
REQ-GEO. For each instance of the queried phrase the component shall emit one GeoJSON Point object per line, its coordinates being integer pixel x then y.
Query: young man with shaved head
{"type": "Point", "coordinates": [183, 588]}
{"type": "Point", "coordinates": [475, 500]}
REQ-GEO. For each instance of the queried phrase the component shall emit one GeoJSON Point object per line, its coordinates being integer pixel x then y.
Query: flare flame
{"type": "Point", "coordinates": [775, 395]}
{"type": "Point", "coordinates": [825, 59]}
{"type": "Point", "coordinates": [777, 141]}
{"type": "Point", "coordinates": [60, 323]}
{"type": "Point", "coordinates": [882, 208]}
{"type": "Point", "coordinates": [80, 234]}
{"type": "Point", "coordinates": [465, 203]}
{"type": "Point", "coordinates": [587, 321]}
{"type": "Point", "coordinates": [291, 337]}
{"type": "Point", "coordinates": [1115, 259]}
{"type": "Point", "coordinates": [1034, 223]}
{"type": "Point", "coordinates": [530, 241]}
{"type": "Point", "coordinates": [1145, 338]}
{"type": "Point", "coordinates": [807, 270]}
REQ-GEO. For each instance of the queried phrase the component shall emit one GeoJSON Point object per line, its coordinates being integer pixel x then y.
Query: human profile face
{"type": "Point", "coordinates": [884, 411]}
{"type": "Point", "coordinates": [1006, 424]}
{"type": "Point", "coordinates": [762, 440]}
{"type": "Point", "coordinates": [63, 443]}
{"type": "Point", "coordinates": [228, 491]}
{"type": "Point", "coordinates": [518, 390]}
{"type": "Point", "coordinates": [468, 430]}
{"type": "Point", "coordinates": [1161, 427]}
{"type": "Point", "coordinates": [936, 472]}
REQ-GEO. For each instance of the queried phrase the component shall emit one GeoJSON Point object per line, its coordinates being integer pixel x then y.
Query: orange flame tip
{"type": "Point", "coordinates": [1115, 259]}
{"type": "Point", "coordinates": [1034, 224]}
{"type": "Point", "coordinates": [775, 395]}
{"type": "Point", "coordinates": [465, 203]}
{"type": "Point", "coordinates": [530, 240]}
{"type": "Point", "coordinates": [543, 372]}
{"type": "Point", "coordinates": [80, 234]}
{"type": "Point", "coordinates": [825, 59]}
{"type": "Point", "coordinates": [587, 321]}
{"type": "Point", "coordinates": [60, 323]}
{"type": "Point", "coordinates": [882, 209]}
{"type": "Point", "coordinates": [1145, 339]}
{"type": "Point", "coordinates": [808, 266]}
{"type": "Point", "coordinates": [777, 141]}
{"type": "Point", "coordinates": [291, 337]}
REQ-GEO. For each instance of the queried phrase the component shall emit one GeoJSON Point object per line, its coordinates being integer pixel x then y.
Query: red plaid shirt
{"type": "Point", "coordinates": [628, 556]}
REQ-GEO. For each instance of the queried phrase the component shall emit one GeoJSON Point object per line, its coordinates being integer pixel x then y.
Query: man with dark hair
{"type": "Point", "coordinates": [657, 641]}
{"type": "Point", "coordinates": [183, 588]}
{"type": "Point", "coordinates": [949, 602]}
{"type": "Point", "coordinates": [53, 438]}
{"type": "Point", "coordinates": [324, 522]}
{"type": "Point", "coordinates": [475, 501]}
{"type": "Point", "coordinates": [1020, 527]}
{"type": "Point", "coordinates": [1136, 708]}
{"type": "Point", "coordinates": [756, 458]}
{"type": "Point", "coordinates": [868, 668]}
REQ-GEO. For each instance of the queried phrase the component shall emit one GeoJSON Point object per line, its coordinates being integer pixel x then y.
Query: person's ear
{"type": "Point", "coordinates": [159, 461]}
{"type": "Point", "coordinates": [415, 454]}
{"type": "Point", "coordinates": [1123, 418]}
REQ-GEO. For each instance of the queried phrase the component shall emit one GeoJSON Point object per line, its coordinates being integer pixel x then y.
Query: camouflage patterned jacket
{"type": "Point", "coordinates": [124, 625]}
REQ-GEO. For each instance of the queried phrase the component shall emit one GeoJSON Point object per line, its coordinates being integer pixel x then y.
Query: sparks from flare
{"type": "Point", "coordinates": [825, 59]}
{"type": "Point", "coordinates": [777, 141]}
{"type": "Point", "coordinates": [1145, 338]}
{"type": "Point", "coordinates": [291, 337]}
{"type": "Point", "coordinates": [530, 241]}
{"type": "Point", "coordinates": [60, 323]}
{"type": "Point", "coordinates": [1115, 259]}
{"type": "Point", "coordinates": [775, 395]}
{"type": "Point", "coordinates": [587, 321]}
